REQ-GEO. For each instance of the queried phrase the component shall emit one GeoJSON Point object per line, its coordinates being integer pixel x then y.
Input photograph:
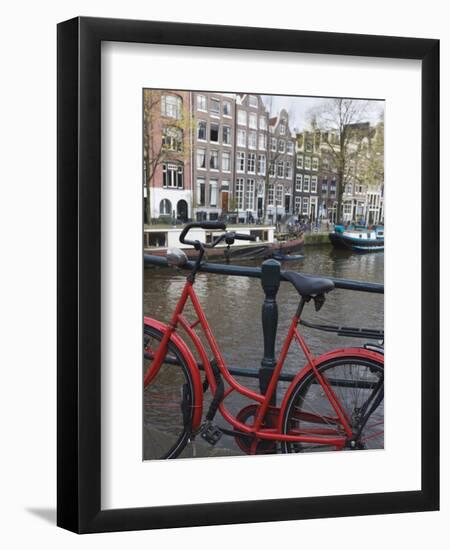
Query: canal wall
{"type": "Point", "coordinates": [316, 239]}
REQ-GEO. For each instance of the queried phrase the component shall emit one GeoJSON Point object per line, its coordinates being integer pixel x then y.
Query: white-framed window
{"type": "Point", "coordinates": [298, 182]}
{"type": "Point", "coordinates": [288, 172]}
{"type": "Point", "coordinates": [226, 108]}
{"type": "Point", "coordinates": [165, 207]}
{"type": "Point", "coordinates": [242, 138]}
{"type": "Point", "coordinates": [282, 129]}
{"type": "Point", "coordinates": [262, 165]}
{"type": "Point", "coordinates": [201, 103]}
{"type": "Point", "coordinates": [201, 130]}
{"type": "Point", "coordinates": [171, 106]}
{"type": "Point", "coordinates": [300, 162]}
{"type": "Point", "coordinates": [262, 141]}
{"type": "Point", "coordinates": [270, 195]}
{"type": "Point", "coordinates": [325, 164]}
{"type": "Point", "coordinates": [240, 161]}
{"type": "Point", "coordinates": [253, 101]}
{"type": "Point", "coordinates": [305, 205]}
{"type": "Point", "coordinates": [280, 169]}
{"type": "Point", "coordinates": [349, 188]}
{"type": "Point", "coordinates": [252, 120]}
{"type": "Point", "coordinates": [290, 147]}
{"type": "Point", "coordinates": [262, 123]}
{"type": "Point", "coordinates": [252, 140]}
{"type": "Point", "coordinates": [297, 204]}
{"type": "Point", "coordinates": [226, 161]}
{"type": "Point", "coordinates": [201, 158]}
{"type": "Point", "coordinates": [213, 192]}
{"type": "Point", "coordinates": [226, 135]}
{"type": "Point", "coordinates": [273, 144]}
{"type": "Point", "coordinates": [307, 163]}
{"type": "Point", "coordinates": [240, 193]}
{"type": "Point", "coordinates": [172, 138]}
{"type": "Point", "coordinates": [347, 207]}
{"type": "Point", "coordinates": [272, 169]}
{"type": "Point", "coordinates": [315, 164]}
{"type": "Point", "coordinates": [173, 175]}
{"type": "Point", "coordinates": [313, 184]}
{"type": "Point", "coordinates": [306, 181]}
{"type": "Point", "coordinates": [279, 195]}
{"type": "Point", "coordinates": [214, 132]}
{"type": "Point", "coordinates": [201, 191]}
{"type": "Point", "coordinates": [281, 145]}
{"type": "Point", "coordinates": [242, 117]}
{"type": "Point", "coordinates": [215, 106]}
{"type": "Point", "coordinates": [251, 162]}
{"type": "Point", "coordinates": [250, 192]}
{"type": "Point", "coordinates": [214, 159]}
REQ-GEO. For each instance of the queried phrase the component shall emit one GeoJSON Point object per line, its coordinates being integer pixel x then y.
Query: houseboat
{"type": "Point", "coordinates": [157, 240]}
{"type": "Point", "coordinates": [358, 239]}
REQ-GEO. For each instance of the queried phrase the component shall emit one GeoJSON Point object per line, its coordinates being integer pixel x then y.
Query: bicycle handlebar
{"type": "Point", "coordinates": [200, 225]}
{"type": "Point", "coordinates": [243, 237]}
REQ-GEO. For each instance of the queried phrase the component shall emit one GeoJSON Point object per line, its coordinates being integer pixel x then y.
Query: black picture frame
{"type": "Point", "coordinates": [79, 280]}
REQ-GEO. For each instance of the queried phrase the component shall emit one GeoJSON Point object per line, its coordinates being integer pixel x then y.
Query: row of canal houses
{"type": "Point", "coordinates": [211, 154]}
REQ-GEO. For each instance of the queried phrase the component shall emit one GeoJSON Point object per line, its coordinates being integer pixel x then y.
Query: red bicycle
{"type": "Point", "coordinates": [334, 402]}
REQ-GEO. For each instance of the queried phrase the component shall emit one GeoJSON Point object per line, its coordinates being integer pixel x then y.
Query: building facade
{"type": "Point", "coordinates": [252, 130]}
{"type": "Point", "coordinates": [307, 199]}
{"type": "Point", "coordinates": [213, 153]}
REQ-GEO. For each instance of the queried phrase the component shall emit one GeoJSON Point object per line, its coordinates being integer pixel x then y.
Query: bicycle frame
{"type": "Point", "coordinates": [256, 430]}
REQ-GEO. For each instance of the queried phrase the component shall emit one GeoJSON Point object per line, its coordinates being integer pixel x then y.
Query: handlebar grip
{"type": "Point", "coordinates": [244, 237]}
{"type": "Point", "coordinates": [200, 225]}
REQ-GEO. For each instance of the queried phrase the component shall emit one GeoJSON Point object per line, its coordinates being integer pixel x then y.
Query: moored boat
{"type": "Point", "coordinates": [358, 239]}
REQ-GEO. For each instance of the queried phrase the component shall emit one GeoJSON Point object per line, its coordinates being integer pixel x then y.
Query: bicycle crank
{"type": "Point", "coordinates": [244, 442]}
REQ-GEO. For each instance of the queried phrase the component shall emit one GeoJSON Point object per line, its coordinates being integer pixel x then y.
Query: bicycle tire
{"type": "Point", "coordinates": [167, 401]}
{"type": "Point", "coordinates": [353, 380]}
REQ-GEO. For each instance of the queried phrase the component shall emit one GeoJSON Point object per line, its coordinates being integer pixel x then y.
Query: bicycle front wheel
{"type": "Point", "coordinates": [168, 400]}
{"type": "Point", "coordinates": [358, 384]}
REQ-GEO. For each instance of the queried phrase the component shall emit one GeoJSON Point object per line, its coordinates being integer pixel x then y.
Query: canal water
{"type": "Point", "coordinates": [233, 308]}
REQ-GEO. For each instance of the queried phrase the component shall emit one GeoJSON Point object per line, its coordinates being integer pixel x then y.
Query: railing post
{"type": "Point", "coordinates": [270, 281]}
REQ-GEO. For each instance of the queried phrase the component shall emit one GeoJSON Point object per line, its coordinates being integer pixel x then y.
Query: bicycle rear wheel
{"type": "Point", "coordinates": [168, 400]}
{"type": "Point", "coordinates": [358, 385]}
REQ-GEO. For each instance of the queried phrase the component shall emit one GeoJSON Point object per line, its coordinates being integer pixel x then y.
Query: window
{"type": "Point", "coordinates": [306, 181]}
{"type": "Point", "coordinates": [240, 161]}
{"type": "Point", "coordinates": [273, 144]}
{"type": "Point", "coordinates": [227, 108]}
{"type": "Point", "coordinates": [171, 106]}
{"type": "Point", "coordinates": [201, 158]}
{"type": "Point", "coordinates": [226, 161]}
{"type": "Point", "coordinates": [300, 162]}
{"type": "Point", "coordinates": [288, 173]}
{"type": "Point", "coordinates": [201, 191]}
{"type": "Point", "coordinates": [252, 120]}
{"type": "Point", "coordinates": [280, 169]}
{"type": "Point", "coordinates": [315, 163]}
{"type": "Point", "coordinates": [262, 123]}
{"type": "Point", "coordinates": [201, 102]}
{"type": "Point", "coordinates": [290, 148]}
{"type": "Point", "coordinates": [270, 195]}
{"type": "Point", "coordinates": [172, 175]}
{"type": "Point", "coordinates": [262, 165]}
{"type": "Point", "coordinates": [213, 192]}
{"type": "Point", "coordinates": [262, 141]}
{"type": "Point", "coordinates": [297, 203]}
{"type": "Point", "coordinates": [307, 163]}
{"type": "Point", "coordinates": [165, 207]}
{"type": "Point", "coordinates": [241, 138]}
{"type": "Point", "coordinates": [215, 107]}
{"type": "Point", "coordinates": [214, 160]}
{"type": "Point", "coordinates": [308, 147]}
{"type": "Point", "coordinates": [214, 132]}
{"type": "Point", "coordinates": [279, 195]}
{"type": "Point", "coordinates": [272, 169]}
{"type": "Point", "coordinates": [298, 182]}
{"type": "Point", "coordinates": [250, 192]}
{"type": "Point", "coordinates": [172, 138]}
{"type": "Point", "coordinates": [281, 145]}
{"type": "Point", "coordinates": [240, 193]}
{"type": "Point", "coordinates": [325, 164]}
{"type": "Point", "coordinates": [349, 189]}
{"type": "Point", "coordinates": [253, 101]}
{"type": "Point", "coordinates": [313, 184]}
{"type": "Point", "coordinates": [305, 205]}
{"type": "Point", "coordinates": [242, 117]}
{"type": "Point", "coordinates": [201, 130]}
{"type": "Point", "coordinates": [226, 135]}
{"type": "Point", "coordinates": [252, 140]}
{"type": "Point", "coordinates": [282, 129]}
{"type": "Point", "coordinates": [251, 163]}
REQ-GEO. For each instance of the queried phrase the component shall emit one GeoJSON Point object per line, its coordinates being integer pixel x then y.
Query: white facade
{"type": "Point", "coordinates": [174, 196]}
